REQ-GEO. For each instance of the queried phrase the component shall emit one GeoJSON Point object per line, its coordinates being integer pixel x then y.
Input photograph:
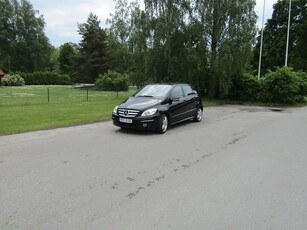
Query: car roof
{"type": "Point", "coordinates": [168, 84]}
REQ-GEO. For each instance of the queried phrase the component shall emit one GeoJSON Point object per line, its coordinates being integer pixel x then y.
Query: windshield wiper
{"type": "Point", "coordinates": [144, 96]}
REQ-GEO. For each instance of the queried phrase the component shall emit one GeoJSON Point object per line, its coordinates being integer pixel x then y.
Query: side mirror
{"type": "Point", "coordinates": [170, 100]}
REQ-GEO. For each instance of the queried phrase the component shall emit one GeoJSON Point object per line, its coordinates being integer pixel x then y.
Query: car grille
{"type": "Point", "coordinates": [128, 113]}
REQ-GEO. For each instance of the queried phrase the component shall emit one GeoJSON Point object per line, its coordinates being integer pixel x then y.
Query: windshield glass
{"type": "Point", "coordinates": [154, 91]}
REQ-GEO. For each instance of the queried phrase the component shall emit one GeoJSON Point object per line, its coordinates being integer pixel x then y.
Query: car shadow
{"type": "Point", "coordinates": [178, 126]}
{"type": "Point", "coordinates": [135, 132]}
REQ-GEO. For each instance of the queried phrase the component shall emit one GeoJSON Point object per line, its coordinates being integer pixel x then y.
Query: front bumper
{"type": "Point", "coordinates": [140, 123]}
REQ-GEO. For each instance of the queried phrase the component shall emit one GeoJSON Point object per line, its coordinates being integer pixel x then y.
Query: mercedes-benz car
{"type": "Point", "coordinates": [158, 106]}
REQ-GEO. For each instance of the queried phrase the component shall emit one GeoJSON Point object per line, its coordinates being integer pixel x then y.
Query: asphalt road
{"type": "Point", "coordinates": [240, 168]}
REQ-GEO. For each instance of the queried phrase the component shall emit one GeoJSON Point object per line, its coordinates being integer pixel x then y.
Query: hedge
{"type": "Point", "coordinates": [45, 78]}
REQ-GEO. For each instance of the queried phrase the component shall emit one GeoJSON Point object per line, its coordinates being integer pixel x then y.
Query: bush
{"type": "Point", "coordinates": [112, 81]}
{"type": "Point", "coordinates": [45, 78]}
{"type": "Point", "coordinates": [303, 83]}
{"type": "Point", "coordinates": [245, 87]}
{"type": "Point", "coordinates": [13, 80]}
{"type": "Point", "coordinates": [284, 86]}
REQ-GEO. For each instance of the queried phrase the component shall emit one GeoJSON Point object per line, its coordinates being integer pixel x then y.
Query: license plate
{"type": "Point", "coordinates": [125, 120]}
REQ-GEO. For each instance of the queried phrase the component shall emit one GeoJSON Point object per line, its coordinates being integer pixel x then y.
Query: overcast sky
{"type": "Point", "coordinates": [62, 16]}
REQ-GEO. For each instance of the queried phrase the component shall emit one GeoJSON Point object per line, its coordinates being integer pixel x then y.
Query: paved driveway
{"type": "Point", "coordinates": [240, 168]}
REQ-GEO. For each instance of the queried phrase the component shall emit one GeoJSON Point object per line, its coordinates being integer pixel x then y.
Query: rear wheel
{"type": "Point", "coordinates": [198, 115]}
{"type": "Point", "coordinates": [162, 124]}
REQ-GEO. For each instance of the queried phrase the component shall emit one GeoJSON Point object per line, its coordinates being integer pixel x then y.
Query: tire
{"type": "Point", "coordinates": [198, 115]}
{"type": "Point", "coordinates": [162, 124]}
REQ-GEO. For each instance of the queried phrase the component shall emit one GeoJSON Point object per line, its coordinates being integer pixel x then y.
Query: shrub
{"type": "Point", "coordinates": [284, 86]}
{"type": "Point", "coordinates": [45, 78]}
{"type": "Point", "coordinates": [302, 83]}
{"type": "Point", "coordinates": [112, 81]}
{"type": "Point", "coordinates": [13, 80]}
{"type": "Point", "coordinates": [245, 87]}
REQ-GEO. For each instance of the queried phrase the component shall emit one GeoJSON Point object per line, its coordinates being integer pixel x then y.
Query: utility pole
{"type": "Point", "coordinates": [288, 34]}
{"type": "Point", "coordinates": [260, 55]}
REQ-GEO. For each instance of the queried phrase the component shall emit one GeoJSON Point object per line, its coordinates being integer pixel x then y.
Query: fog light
{"type": "Point", "coordinates": [145, 125]}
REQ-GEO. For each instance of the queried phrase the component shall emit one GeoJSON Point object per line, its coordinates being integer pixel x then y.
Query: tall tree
{"type": "Point", "coordinates": [7, 29]}
{"type": "Point", "coordinates": [120, 21]}
{"type": "Point", "coordinates": [229, 27]}
{"type": "Point", "coordinates": [167, 39]}
{"type": "Point", "coordinates": [24, 45]}
{"type": "Point", "coordinates": [200, 42]}
{"type": "Point", "coordinates": [92, 58]}
{"type": "Point", "coordinates": [138, 45]}
{"type": "Point", "coordinates": [275, 37]}
{"type": "Point", "coordinates": [119, 34]}
{"type": "Point", "coordinates": [67, 52]}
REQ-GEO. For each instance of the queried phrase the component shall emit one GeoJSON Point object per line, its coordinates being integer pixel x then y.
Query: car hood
{"type": "Point", "coordinates": [140, 103]}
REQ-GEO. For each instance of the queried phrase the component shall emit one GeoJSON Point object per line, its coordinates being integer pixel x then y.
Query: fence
{"type": "Point", "coordinates": [56, 94]}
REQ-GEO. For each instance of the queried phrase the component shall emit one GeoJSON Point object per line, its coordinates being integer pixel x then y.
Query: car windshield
{"type": "Point", "coordinates": [154, 91]}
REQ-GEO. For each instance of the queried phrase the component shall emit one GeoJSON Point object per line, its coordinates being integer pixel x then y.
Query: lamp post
{"type": "Point", "coordinates": [261, 41]}
{"type": "Point", "coordinates": [288, 34]}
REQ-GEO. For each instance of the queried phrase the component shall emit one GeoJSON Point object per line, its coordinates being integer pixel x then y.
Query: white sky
{"type": "Point", "coordinates": [62, 16]}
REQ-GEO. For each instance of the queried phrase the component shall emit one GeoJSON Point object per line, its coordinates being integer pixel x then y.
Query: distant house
{"type": "Point", "coordinates": [1, 75]}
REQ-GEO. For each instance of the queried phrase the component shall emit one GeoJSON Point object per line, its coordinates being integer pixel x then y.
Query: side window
{"type": "Point", "coordinates": [177, 92]}
{"type": "Point", "coordinates": [187, 90]}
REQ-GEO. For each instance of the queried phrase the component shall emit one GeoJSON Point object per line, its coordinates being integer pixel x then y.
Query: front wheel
{"type": "Point", "coordinates": [162, 124]}
{"type": "Point", "coordinates": [198, 115]}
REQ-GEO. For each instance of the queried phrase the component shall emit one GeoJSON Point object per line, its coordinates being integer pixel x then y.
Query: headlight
{"type": "Point", "coordinates": [149, 112]}
{"type": "Point", "coordinates": [115, 110]}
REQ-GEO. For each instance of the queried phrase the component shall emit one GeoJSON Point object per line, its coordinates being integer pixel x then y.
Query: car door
{"type": "Point", "coordinates": [190, 100]}
{"type": "Point", "coordinates": [177, 106]}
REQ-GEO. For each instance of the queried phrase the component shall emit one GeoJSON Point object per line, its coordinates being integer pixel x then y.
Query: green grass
{"type": "Point", "coordinates": [26, 108]}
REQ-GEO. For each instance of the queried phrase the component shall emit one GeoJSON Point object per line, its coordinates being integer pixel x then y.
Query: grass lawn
{"type": "Point", "coordinates": [26, 108]}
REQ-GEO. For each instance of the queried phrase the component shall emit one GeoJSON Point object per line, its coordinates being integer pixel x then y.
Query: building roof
{"type": "Point", "coordinates": [1, 73]}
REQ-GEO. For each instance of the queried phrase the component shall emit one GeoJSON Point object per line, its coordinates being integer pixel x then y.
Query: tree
{"type": "Point", "coordinates": [6, 32]}
{"type": "Point", "coordinates": [275, 37]}
{"type": "Point", "coordinates": [200, 42]}
{"type": "Point", "coordinates": [229, 28]}
{"type": "Point", "coordinates": [139, 47]}
{"type": "Point", "coordinates": [24, 45]}
{"type": "Point", "coordinates": [118, 35]}
{"type": "Point", "coordinates": [120, 22]}
{"type": "Point", "coordinates": [67, 52]}
{"type": "Point", "coordinates": [167, 39]}
{"type": "Point", "coordinates": [92, 58]}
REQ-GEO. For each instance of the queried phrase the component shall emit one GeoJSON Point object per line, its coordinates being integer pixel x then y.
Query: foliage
{"type": "Point", "coordinates": [284, 86]}
{"type": "Point", "coordinates": [92, 58]}
{"type": "Point", "coordinates": [200, 42]}
{"type": "Point", "coordinates": [275, 37]}
{"type": "Point", "coordinates": [230, 29]}
{"type": "Point", "coordinates": [302, 83]}
{"type": "Point", "coordinates": [45, 78]}
{"type": "Point", "coordinates": [23, 43]}
{"type": "Point", "coordinates": [112, 81]}
{"type": "Point", "coordinates": [119, 56]}
{"type": "Point", "coordinates": [67, 52]}
{"type": "Point", "coordinates": [54, 63]}
{"type": "Point", "coordinates": [245, 87]}
{"type": "Point", "coordinates": [13, 80]}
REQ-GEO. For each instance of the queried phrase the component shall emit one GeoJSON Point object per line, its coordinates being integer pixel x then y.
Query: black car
{"type": "Point", "coordinates": [157, 106]}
